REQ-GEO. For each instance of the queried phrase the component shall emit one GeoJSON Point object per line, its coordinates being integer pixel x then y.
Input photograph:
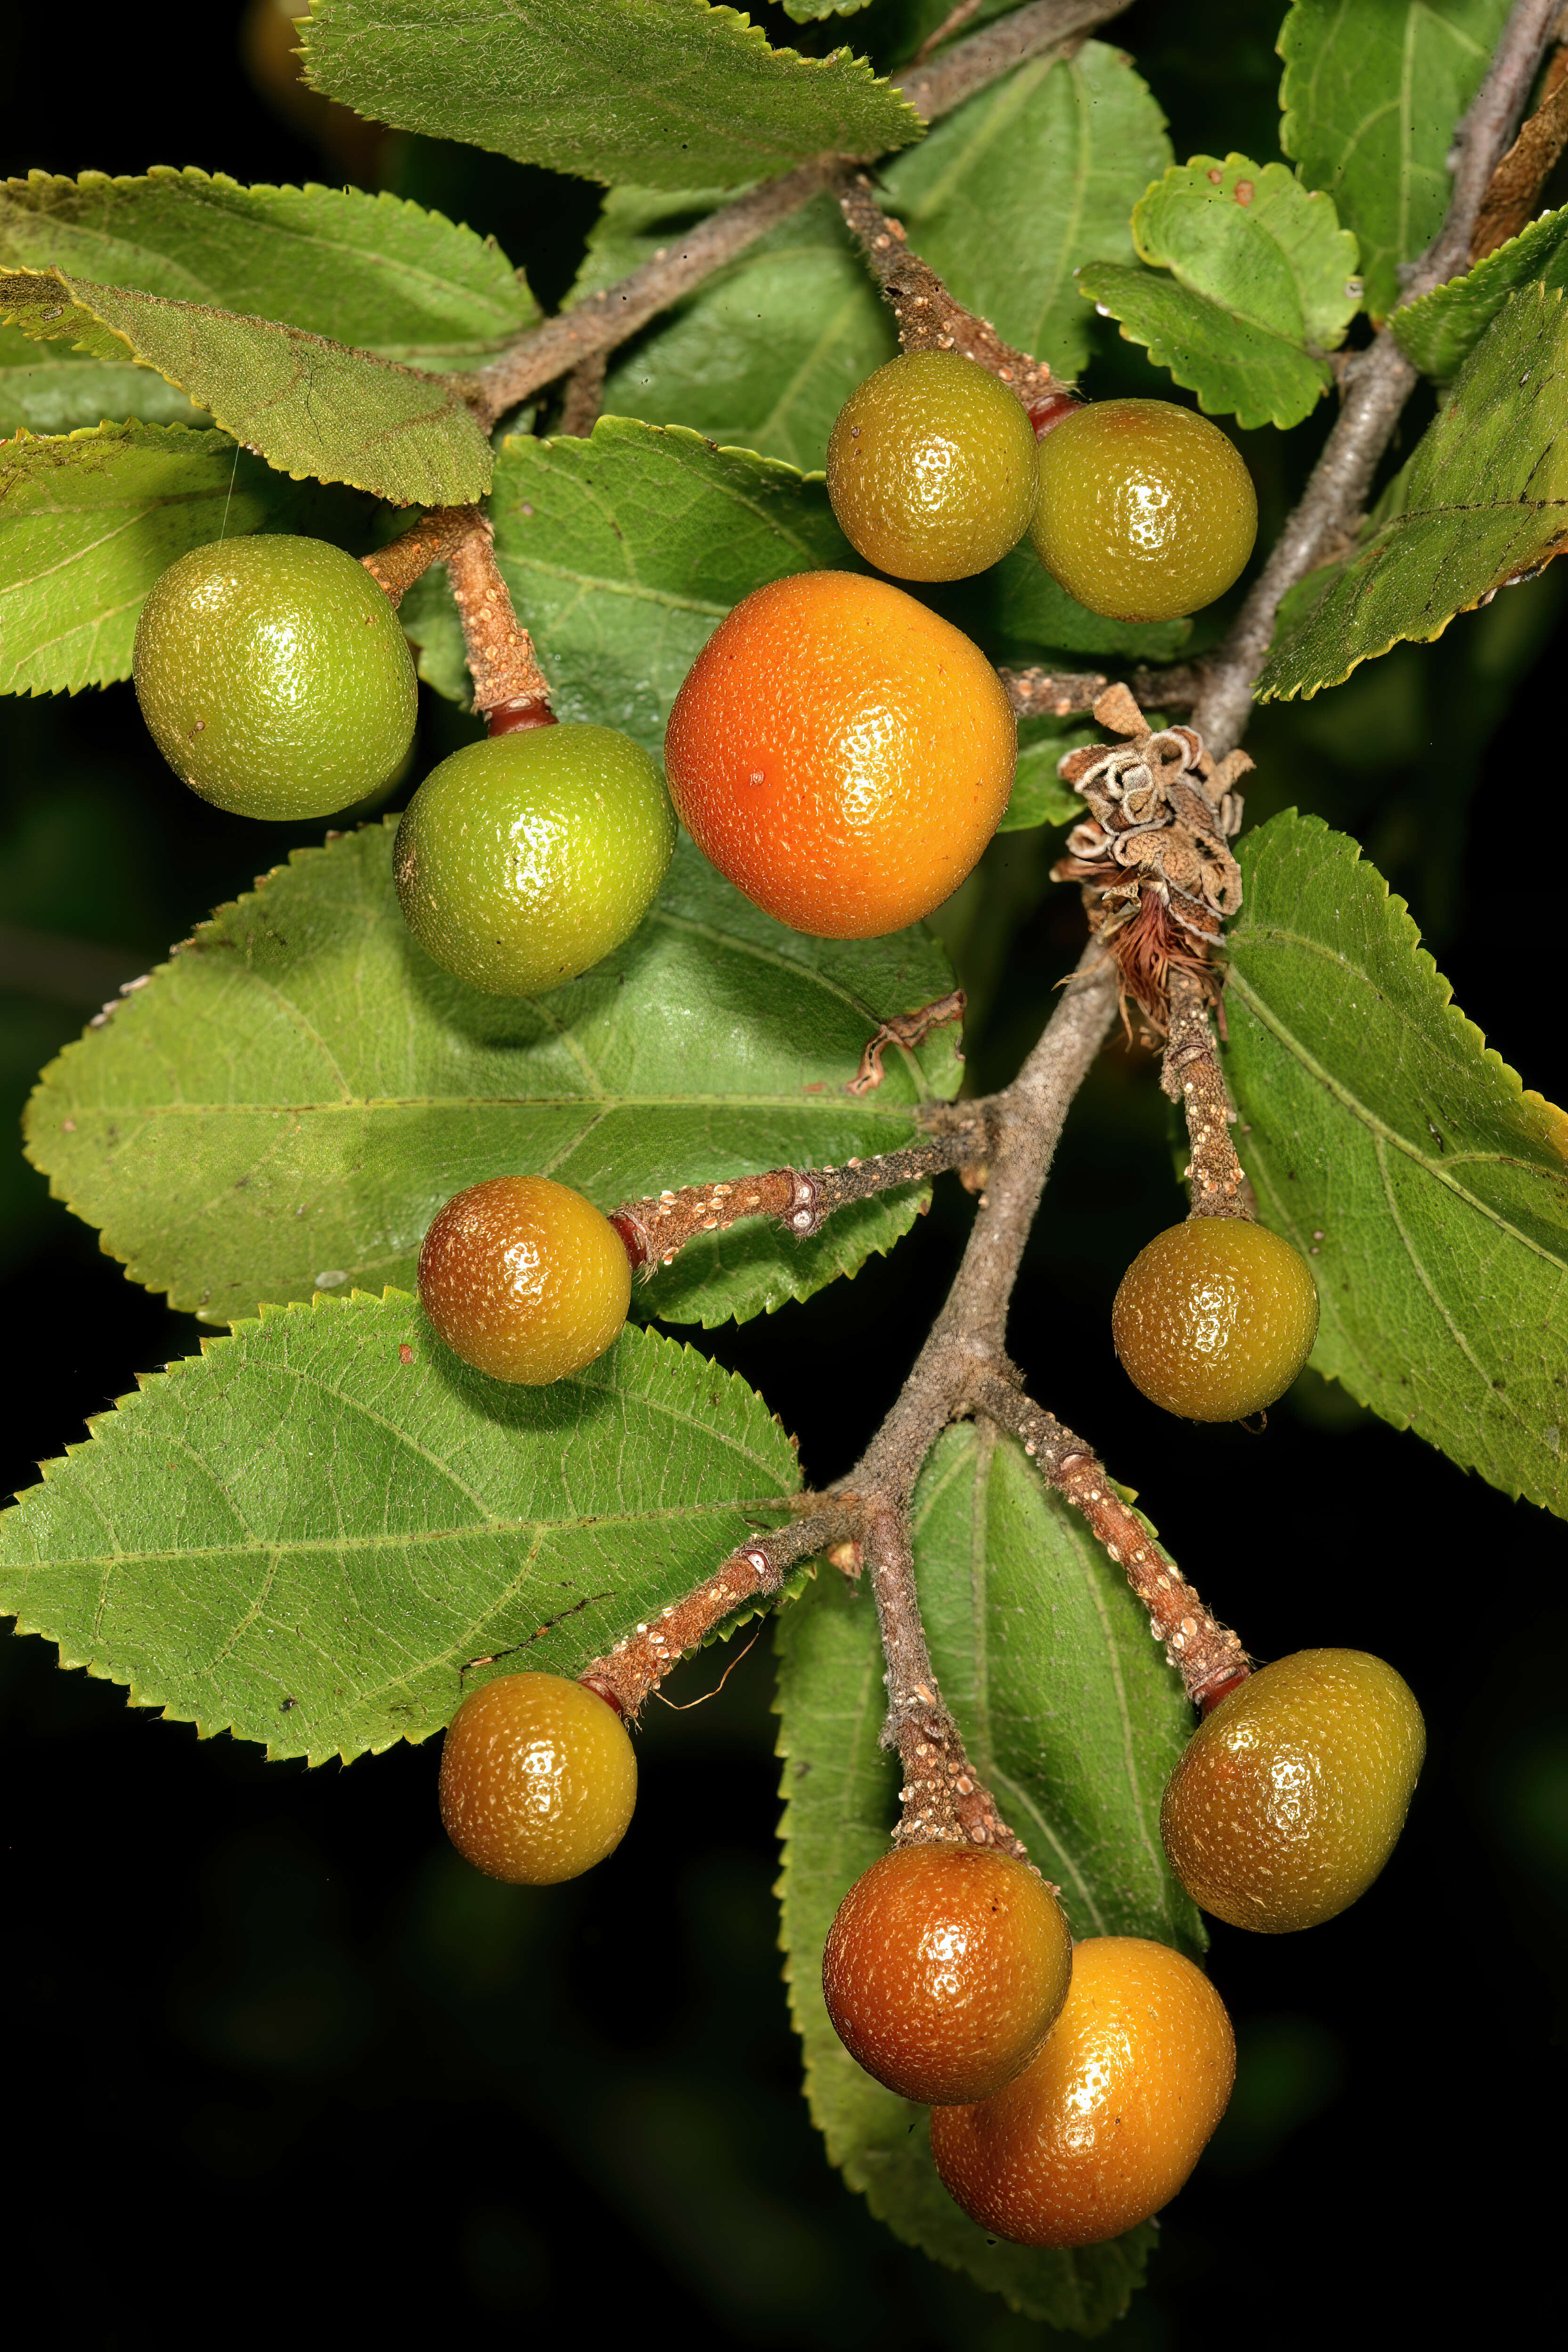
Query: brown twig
{"type": "Point", "coordinates": [1190, 1073]}
{"type": "Point", "coordinates": [1062, 694]}
{"type": "Point", "coordinates": [498, 648]}
{"type": "Point", "coordinates": [584, 398]}
{"type": "Point", "coordinates": [1516, 183]}
{"type": "Point", "coordinates": [1207, 1655]}
{"type": "Point", "coordinates": [1377, 384]}
{"type": "Point", "coordinates": [603, 320]}
{"type": "Point", "coordinates": [403, 561]}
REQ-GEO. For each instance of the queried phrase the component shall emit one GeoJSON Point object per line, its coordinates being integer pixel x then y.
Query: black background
{"type": "Point", "coordinates": [277, 2063]}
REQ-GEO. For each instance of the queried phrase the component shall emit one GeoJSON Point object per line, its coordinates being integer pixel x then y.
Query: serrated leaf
{"type": "Point", "coordinates": [1261, 283]}
{"type": "Point", "coordinates": [1073, 1719]}
{"type": "Point", "coordinates": [658, 92]}
{"type": "Point", "coordinates": [1484, 497]}
{"type": "Point", "coordinates": [301, 1535]}
{"type": "Point", "coordinates": [371, 270]}
{"type": "Point", "coordinates": [1370, 99]}
{"type": "Point", "coordinates": [1388, 1140]}
{"type": "Point", "coordinates": [766, 353]}
{"type": "Point", "coordinates": [310, 407]}
{"type": "Point", "coordinates": [49, 388]}
{"type": "Point", "coordinates": [285, 1107]}
{"type": "Point", "coordinates": [1439, 332]}
{"type": "Point", "coordinates": [1009, 194]}
{"type": "Point", "coordinates": [88, 522]}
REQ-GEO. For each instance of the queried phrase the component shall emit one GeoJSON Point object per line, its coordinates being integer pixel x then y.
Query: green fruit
{"type": "Point", "coordinates": [524, 859]}
{"type": "Point", "coordinates": [930, 467]}
{"type": "Point", "coordinates": [274, 678]}
{"type": "Point", "coordinates": [1214, 1318]}
{"type": "Point", "coordinates": [538, 1779]}
{"type": "Point", "coordinates": [1146, 511]}
{"type": "Point", "coordinates": [1292, 1793]}
{"type": "Point", "coordinates": [524, 1279]}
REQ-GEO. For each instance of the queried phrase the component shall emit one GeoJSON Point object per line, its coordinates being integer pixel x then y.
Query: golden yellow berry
{"type": "Point", "coordinates": [1106, 2124]}
{"type": "Point", "coordinates": [1146, 510]}
{"type": "Point", "coordinates": [944, 1970]}
{"type": "Point", "coordinates": [538, 1779]}
{"type": "Point", "coordinates": [930, 467]}
{"type": "Point", "coordinates": [524, 1279]}
{"type": "Point", "coordinates": [1291, 1794]}
{"type": "Point", "coordinates": [1214, 1318]}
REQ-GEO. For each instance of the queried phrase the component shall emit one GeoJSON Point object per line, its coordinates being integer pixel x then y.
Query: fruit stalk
{"type": "Point", "coordinates": [498, 648]}
{"type": "Point", "coordinates": [1190, 1073]}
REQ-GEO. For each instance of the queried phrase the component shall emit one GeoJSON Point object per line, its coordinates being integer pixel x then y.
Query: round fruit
{"type": "Point", "coordinates": [1214, 1318]}
{"type": "Point", "coordinates": [524, 859]}
{"type": "Point", "coordinates": [524, 1279]}
{"type": "Point", "coordinates": [274, 678]}
{"type": "Point", "coordinates": [1146, 510]}
{"type": "Point", "coordinates": [841, 754]}
{"type": "Point", "coordinates": [1292, 1793]}
{"type": "Point", "coordinates": [1105, 2126]}
{"type": "Point", "coordinates": [946, 1967]}
{"type": "Point", "coordinates": [930, 467]}
{"type": "Point", "coordinates": [538, 1779]}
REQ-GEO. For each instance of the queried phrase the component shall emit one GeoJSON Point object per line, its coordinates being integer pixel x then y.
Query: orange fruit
{"type": "Point", "coordinates": [841, 754]}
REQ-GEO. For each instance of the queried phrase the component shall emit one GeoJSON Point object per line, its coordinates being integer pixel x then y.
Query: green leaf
{"type": "Point", "coordinates": [1389, 1141]}
{"type": "Point", "coordinates": [1483, 499]}
{"type": "Point", "coordinates": [661, 92]}
{"type": "Point", "coordinates": [1017, 608]}
{"type": "Point", "coordinates": [286, 1105]}
{"type": "Point", "coordinates": [308, 406]}
{"type": "Point", "coordinates": [49, 388]}
{"type": "Point", "coordinates": [373, 271]}
{"type": "Point", "coordinates": [88, 522]}
{"type": "Point", "coordinates": [1372, 96]}
{"type": "Point", "coordinates": [1039, 795]}
{"type": "Point", "coordinates": [1439, 332]}
{"type": "Point", "coordinates": [766, 353]}
{"type": "Point", "coordinates": [1262, 283]}
{"type": "Point", "coordinates": [1073, 1719]}
{"type": "Point", "coordinates": [302, 1533]}
{"type": "Point", "coordinates": [1009, 194]}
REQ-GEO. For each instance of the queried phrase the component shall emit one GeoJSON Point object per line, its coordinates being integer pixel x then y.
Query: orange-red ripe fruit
{"type": "Point", "coordinates": [945, 1969]}
{"type": "Point", "coordinates": [841, 754]}
{"type": "Point", "coordinates": [1291, 1794]}
{"type": "Point", "coordinates": [1146, 510]}
{"type": "Point", "coordinates": [1214, 1318]}
{"type": "Point", "coordinates": [538, 1779]}
{"type": "Point", "coordinates": [524, 1279]}
{"type": "Point", "coordinates": [1104, 2127]}
{"type": "Point", "coordinates": [930, 467]}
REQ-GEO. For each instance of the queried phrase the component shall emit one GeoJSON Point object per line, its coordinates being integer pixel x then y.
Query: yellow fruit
{"type": "Point", "coordinates": [1214, 1318]}
{"type": "Point", "coordinates": [538, 1779]}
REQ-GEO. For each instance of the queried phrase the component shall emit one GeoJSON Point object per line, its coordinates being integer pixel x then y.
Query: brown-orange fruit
{"type": "Point", "coordinates": [538, 1779]}
{"type": "Point", "coordinates": [1291, 1794]}
{"type": "Point", "coordinates": [1106, 2124]}
{"type": "Point", "coordinates": [524, 1279]}
{"type": "Point", "coordinates": [945, 1969]}
{"type": "Point", "coordinates": [1214, 1318]}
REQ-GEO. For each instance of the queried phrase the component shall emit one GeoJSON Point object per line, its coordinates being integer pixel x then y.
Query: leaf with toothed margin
{"type": "Point", "coordinates": [304, 1534]}
{"type": "Point", "coordinates": [286, 1105]}
{"type": "Point", "coordinates": [1402, 1155]}
{"type": "Point", "coordinates": [1072, 1719]}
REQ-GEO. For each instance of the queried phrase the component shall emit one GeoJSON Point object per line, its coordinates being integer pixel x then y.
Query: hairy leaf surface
{"type": "Point", "coordinates": [650, 90]}
{"type": "Point", "coordinates": [1441, 331]}
{"type": "Point", "coordinates": [1073, 1719]}
{"type": "Point", "coordinates": [1251, 281]}
{"type": "Point", "coordinates": [1372, 94]}
{"type": "Point", "coordinates": [49, 388]}
{"type": "Point", "coordinates": [89, 521]}
{"type": "Point", "coordinates": [1484, 499]}
{"type": "Point", "coordinates": [1389, 1141]}
{"type": "Point", "coordinates": [375, 271]}
{"type": "Point", "coordinates": [301, 1535]}
{"type": "Point", "coordinates": [286, 1105]}
{"type": "Point", "coordinates": [310, 407]}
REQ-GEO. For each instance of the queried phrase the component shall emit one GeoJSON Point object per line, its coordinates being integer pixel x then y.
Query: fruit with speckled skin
{"type": "Point", "coordinates": [1106, 2124]}
{"type": "Point", "coordinates": [274, 678]}
{"type": "Point", "coordinates": [841, 754]}
{"type": "Point", "coordinates": [523, 860]}
{"type": "Point", "coordinates": [1145, 511]}
{"type": "Point", "coordinates": [1214, 1318]}
{"type": "Point", "coordinates": [930, 467]}
{"type": "Point", "coordinates": [945, 1968]}
{"type": "Point", "coordinates": [1291, 1794]}
{"type": "Point", "coordinates": [538, 1779]}
{"type": "Point", "coordinates": [524, 1279]}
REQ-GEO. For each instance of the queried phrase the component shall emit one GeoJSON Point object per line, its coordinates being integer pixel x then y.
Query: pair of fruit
{"type": "Point", "coordinates": [1139, 509]}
